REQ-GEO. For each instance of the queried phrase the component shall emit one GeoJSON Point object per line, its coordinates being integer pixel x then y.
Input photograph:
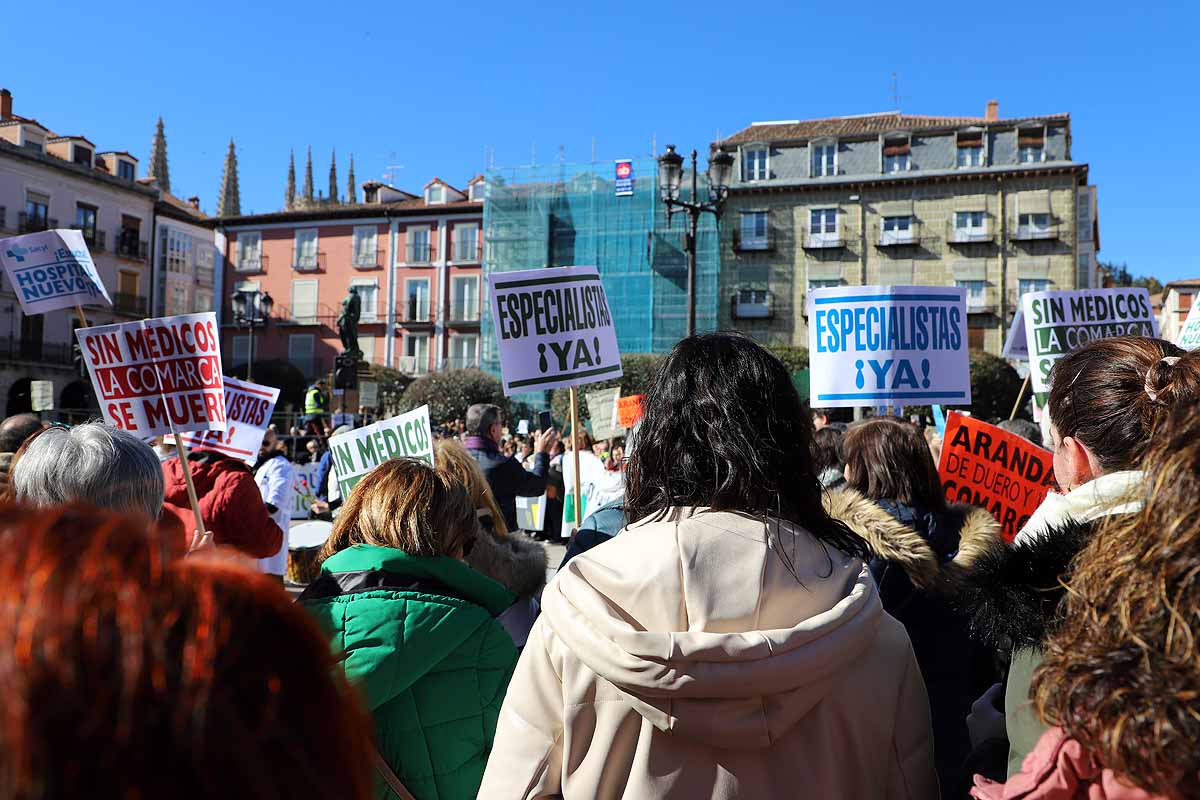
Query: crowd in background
{"type": "Point", "coordinates": [757, 599]}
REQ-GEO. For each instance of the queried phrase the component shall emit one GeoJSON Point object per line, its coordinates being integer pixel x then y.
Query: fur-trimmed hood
{"type": "Point", "coordinates": [892, 540]}
{"type": "Point", "coordinates": [514, 561]}
{"type": "Point", "coordinates": [1011, 595]}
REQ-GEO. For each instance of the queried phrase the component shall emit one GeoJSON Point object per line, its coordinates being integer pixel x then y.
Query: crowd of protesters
{"type": "Point", "coordinates": [760, 602]}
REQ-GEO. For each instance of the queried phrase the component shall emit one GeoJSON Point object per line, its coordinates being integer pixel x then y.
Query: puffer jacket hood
{"type": "Point", "coordinates": [744, 671]}
{"type": "Point", "coordinates": [890, 539]}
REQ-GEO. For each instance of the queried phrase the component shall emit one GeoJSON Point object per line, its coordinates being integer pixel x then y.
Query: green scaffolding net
{"type": "Point", "coordinates": [559, 215]}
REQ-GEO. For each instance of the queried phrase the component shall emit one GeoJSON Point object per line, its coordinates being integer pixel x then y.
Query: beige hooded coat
{"type": "Point", "coordinates": [683, 659]}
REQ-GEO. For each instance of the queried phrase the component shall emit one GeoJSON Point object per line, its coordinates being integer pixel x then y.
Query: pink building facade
{"type": "Point", "coordinates": [413, 260]}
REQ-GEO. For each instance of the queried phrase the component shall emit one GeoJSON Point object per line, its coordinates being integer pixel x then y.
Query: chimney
{"type": "Point", "coordinates": [194, 202]}
{"type": "Point", "coordinates": [993, 111]}
{"type": "Point", "coordinates": [5, 104]}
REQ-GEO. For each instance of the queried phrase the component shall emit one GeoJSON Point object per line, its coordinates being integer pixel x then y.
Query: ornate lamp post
{"type": "Point", "coordinates": [252, 308]}
{"type": "Point", "coordinates": [670, 174]}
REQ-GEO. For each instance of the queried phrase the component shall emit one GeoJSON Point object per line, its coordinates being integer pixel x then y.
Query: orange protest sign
{"type": "Point", "coordinates": [986, 466]}
{"type": "Point", "coordinates": [629, 410]}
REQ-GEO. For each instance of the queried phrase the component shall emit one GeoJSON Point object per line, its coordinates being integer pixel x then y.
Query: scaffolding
{"type": "Point", "coordinates": [559, 215]}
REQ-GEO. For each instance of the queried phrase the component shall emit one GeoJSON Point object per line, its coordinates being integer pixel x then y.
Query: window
{"type": "Point", "coordinates": [305, 250]}
{"type": "Point", "coordinates": [752, 304]}
{"type": "Point", "coordinates": [1031, 154]}
{"type": "Point", "coordinates": [85, 221]}
{"type": "Point", "coordinates": [478, 190]}
{"type": "Point", "coordinates": [416, 353]}
{"type": "Point", "coordinates": [464, 298]}
{"type": "Point", "coordinates": [127, 283]}
{"type": "Point", "coordinates": [823, 283]}
{"type": "Point", "coordinates": [125, 170]}
{"type": "Point", "coordinates": [249, 250]}
{"type": "Point", "coordinates": [178, 254]}
{"type": "Point", "coordinates": [824, 160]}
{"type": "Point", "coordinates": [416, 305]}
{"type": "Point", "coordinates": [976, 292]}
{"type": "Point", "coordinates": [1185, 301]}
{"type": "Point", "coordinates": [82, 155]}
{"type": "Point", "coordinates": [897, 230]}
{"type": "Point", "coordinates": [754, 164]}
{"type": "Point", "coordinates": [418, 246]}
{"type": "Point", "coordinates": [466, 242]}
{"type": "Point", "coordinates": [367, 345]}
{"type": "Point", "coordinates": [368, 294]}
{"type": "Point", "coordinates": [179, 304]}
{"type": "Point", "coordinates": [1033, 225]}
{"type": "Point", "coordinates": [976, 338]}
{"type": "Point", "coordinates": [203, 301]}
{"type": "Point", "coordinates": [754, 234]}
{"type": "Point", "coordinates": [464, 351]}
{"type": "Point", "coordinates": [895, 163]}
{"type": "Point", "coordinates": [970, 226]}
{"type": "Point", "coordinates": [822, 225]}
{"type": "Point", "coordinates": [1083, 279]}
{"type": "Point", "coordinates": [365, 252]}
{"type": "Point", "coordinates": [304, 302]}
{"type": "Point", "coordinates": [896, 152]}
{"type": "Point", "coordinates": [1085, 216]}
{"type": "Point", "coordinates": [300, 352]}
{"type": "Point", "coordinates": [1031, 144]}
{"type": "Point", "coordinates": [37, 212]}
{"type": "Point", "coordinates": [1026, 285]}
{"type": "Point", "coordinates": [436, 194]}
{"type": "Point", "coordinates": [970, 156]}
{"type": "Point", "coordinates": [240, 351]}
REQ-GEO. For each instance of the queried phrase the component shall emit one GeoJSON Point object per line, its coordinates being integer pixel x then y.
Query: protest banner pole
{"type": "Point", "coordinates": [575, 455]}
{"type": "Point", "coordinates": [82, 318]}
{"type": "Point", "coordinates": [191, 487]}
{"type": "Point", "coordinates": [1020, 394]}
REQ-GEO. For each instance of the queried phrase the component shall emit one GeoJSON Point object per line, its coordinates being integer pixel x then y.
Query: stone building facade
{"type": "Point", "coordinates": [996, 206]}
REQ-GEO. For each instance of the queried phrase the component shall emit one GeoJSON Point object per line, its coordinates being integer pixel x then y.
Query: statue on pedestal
{"type": "Point", "coordinates": [347, 323]}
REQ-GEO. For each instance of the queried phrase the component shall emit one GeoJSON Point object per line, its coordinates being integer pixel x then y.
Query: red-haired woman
{"type": "Point", "coordinates": [128, 675]}
{"type": "Point", "coordinates": [1120, 681]}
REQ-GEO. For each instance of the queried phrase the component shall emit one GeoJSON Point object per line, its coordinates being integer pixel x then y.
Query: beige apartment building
{"type": "Point", "coordinates": [997, 206]}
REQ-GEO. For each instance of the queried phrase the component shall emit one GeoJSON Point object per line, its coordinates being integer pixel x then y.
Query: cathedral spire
{"type": "Point", "coordinates": [333, 187]}
{"type": "Point", "coordinates": [229, 203]}
{"type": "Point", "coordinates": [351, 191]}
{"type": "Point", "coordinates": [308, 184]}
{"type": "Point", "coordinates": [290, 196]}
{"type": "Point", "coordinates": [158, 158]}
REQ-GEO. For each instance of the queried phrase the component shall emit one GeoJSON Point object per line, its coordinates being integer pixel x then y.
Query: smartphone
{"type": "Point", "coordinates": [545, 420]}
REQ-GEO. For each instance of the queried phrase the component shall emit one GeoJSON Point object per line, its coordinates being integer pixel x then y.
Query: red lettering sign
{"type": "Point", "coordinates": [629, 410]}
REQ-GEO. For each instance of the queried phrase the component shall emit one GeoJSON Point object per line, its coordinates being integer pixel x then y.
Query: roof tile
{"type": "Point", "coordinates": [866, 125]}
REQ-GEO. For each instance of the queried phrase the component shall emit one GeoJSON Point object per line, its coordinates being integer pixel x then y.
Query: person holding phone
{"type": "Point", "coordinates": [508, 479]}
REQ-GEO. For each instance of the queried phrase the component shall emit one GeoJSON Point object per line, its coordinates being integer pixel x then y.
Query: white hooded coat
{"type": "Point", "coordinates": [683, 659]}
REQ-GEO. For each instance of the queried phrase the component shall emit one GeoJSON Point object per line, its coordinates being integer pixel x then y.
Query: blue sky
{"type": "Point", "coordinates": [428, 87]}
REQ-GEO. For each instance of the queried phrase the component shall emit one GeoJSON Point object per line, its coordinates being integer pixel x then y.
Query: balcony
{"type": "Point", "coordinates": [95, 242]}
{"type": "Point", "coordinates": [130, 247]}
{"type": "Point", "coordinates": [1034, 233]}
{"type": "Point", "coordinates": [823, 240]}
{"type": "Point", "coordinates": [254, 262]}
{"type": "Point", "coordinates": [982, 301]}
{"type": "Point", "coordinates": [373, 260]}
{"type": "Point", "coordinates": [467, 253]}
{"type": "Point", "coordinates": [415, 312]}
{"type": "Point", "coordinates": [419, 253]}
{"type": "Point", "coordinates": [413, 365]}
{"type": "Point", "coordinates": [131, 304]}
{"type": "Point", "coordinates": [461, 362]}
{"type": "Point", "coordinates": [752, 304]}
{"type": "Point", "coordinates": [308, 262]}
{"type": "Point", "coordinates": [956, 235]}
{"type": "Point", "coordinates": [464, 313]}
{"type": "Point", "coordinates": [18, 349]}
{"type": "Point", "coordinates": [755, 244]}
{"type": "Point", "coordinates": [28, 224]}
{"type": "Point", "coordinates": [307, 313]}
{"type": "Point", "coordinates": [898, 237]}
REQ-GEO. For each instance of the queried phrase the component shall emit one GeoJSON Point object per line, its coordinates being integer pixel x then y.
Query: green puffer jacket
{"type": "Point", "coordinates": [422, 643]}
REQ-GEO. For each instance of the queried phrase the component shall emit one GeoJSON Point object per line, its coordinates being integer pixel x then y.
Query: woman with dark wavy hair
{"type": "Point", "coordinates": [730, 642]}
{"type": "Point", "coordinates": [1120, 680]}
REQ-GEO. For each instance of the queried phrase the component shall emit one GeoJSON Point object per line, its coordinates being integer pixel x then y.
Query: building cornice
{"type": "Point", "coordinates": [910, 179]}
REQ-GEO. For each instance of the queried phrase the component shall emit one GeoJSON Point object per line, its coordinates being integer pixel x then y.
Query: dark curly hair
{"type": "Point", "coordinates": [1122, 674]}
{"type": "Point", "coordinates": [724, 428]}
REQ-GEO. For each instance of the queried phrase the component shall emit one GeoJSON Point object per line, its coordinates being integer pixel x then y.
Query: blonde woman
{"type": "Point", "coordinates": [417, 626]}
{"type": "Point", "coordinates": [515, 561]}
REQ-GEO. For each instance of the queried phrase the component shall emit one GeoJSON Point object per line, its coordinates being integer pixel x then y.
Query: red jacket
{"type": "Point", "coordinates": [230, 503]}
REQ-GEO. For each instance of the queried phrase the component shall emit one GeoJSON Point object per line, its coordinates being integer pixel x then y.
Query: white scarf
{"type": "Point", "coordinates": [1114, 493]}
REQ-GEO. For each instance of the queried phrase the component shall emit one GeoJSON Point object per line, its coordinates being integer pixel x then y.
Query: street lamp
{"type": "Point", "coordinates": [670, 173]}
{"type": "Point", "coordinates": [252, 308]}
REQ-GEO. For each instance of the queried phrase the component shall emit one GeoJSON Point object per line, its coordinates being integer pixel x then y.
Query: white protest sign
{"type": "Point", "coordinates": [359, 451]}
{"type": "Point", "coordinates": [888, 345]}
{"type": "Point", "coordinates": [368, 394]}
{"type": "Point", "coordinates": [602, 407]}
{"type": "Point", "coordinates": [531, 513]}
{"type": "Point", "coordinates": [248, 408]}
{"type": "Point", "coordinates": [51, 270]}
{"type": "Point", "coordinates": [1058, 322]}
{"type": "Point", "coordinates": [1189, 334]}
{"type": "Point", "coordinates": [158, 376]}
{"type": "Point", "coordinates": [554, 328]}
{"type": "Point", "coordinates": [41, 395]}
{"type": "Point", "coordinates": [306, 489]}
{"type": "Point", "coordinates": [1015, 347]}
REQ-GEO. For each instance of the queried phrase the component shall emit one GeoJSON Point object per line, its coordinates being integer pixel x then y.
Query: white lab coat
{"type": "Point", "coordinates": [276, 481]}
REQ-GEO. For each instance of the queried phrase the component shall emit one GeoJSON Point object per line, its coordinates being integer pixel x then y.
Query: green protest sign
{"type": "Point", "coordinates": [358, 452]}
{"type": "Point", "coordinates": [1058, 322]}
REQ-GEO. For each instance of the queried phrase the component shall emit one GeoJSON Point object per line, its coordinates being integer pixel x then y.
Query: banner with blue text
{"type": "Point", "coordinates": [52, 270]}
{"type": "Point", "coordinates": [888, 345]}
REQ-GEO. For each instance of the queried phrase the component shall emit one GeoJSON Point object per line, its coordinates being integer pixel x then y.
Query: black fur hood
{"type": "Point", "coordinates": [1011, 594]}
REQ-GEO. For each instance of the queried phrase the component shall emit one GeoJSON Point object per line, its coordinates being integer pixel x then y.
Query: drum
{"type": "Point", "coordinates": [304, 545]}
